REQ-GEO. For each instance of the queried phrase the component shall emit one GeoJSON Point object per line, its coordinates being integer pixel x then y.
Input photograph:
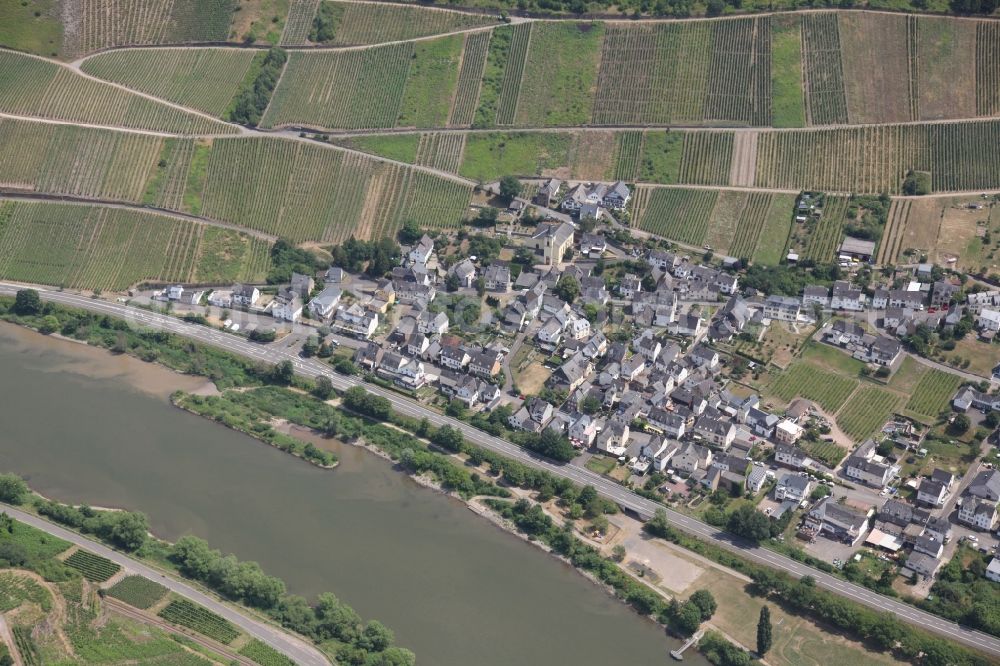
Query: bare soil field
{"type": "Point", "coordinates": [946, 67]}
{"type": "Point", "coordinates": [876, 67]}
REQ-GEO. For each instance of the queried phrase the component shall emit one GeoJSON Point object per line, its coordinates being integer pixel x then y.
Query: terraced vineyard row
{"type": "Point", "coordinates": [829, 231]}
{"type": "Point", "coordinates": [751, 225]}
{"type": "Point", "coordinates": [343, 89]}
{"type": "Point", "coordinates": [892, 238]}
{"type": "Point", "coordinates": [375, 23]}
{"type": "Point", "coordinates": [204, 79]}
{"type": "Point", "coordinates": [101, 24]}
{"type": "Point", "coordinates": [441, 150]}
{"type": "Point", "coordinates": [628, 153]}
{"type": "Point", "coordinates": [188, 614]}
{"type": "Point", "coordinates": [987, 69]}
{"type": "Point", "coordinates": [93, 567]}
{"type": "Point", "coordinates": [823, 69]}
{"type": "Point", "coordinates": [739, 84]}
{"type": "Point", "coordinates": [876, 159]}
{"type": "Point", "coordinates": [299, 22]}
{"type": "Point", "coordinates": [470, 77]}
{"type": "Point", "coordinates": [675, 213]}
{"type": "Point", "coordinates": [866, 411]}
{"type": "Point", "coordinates": [138, 592]}
{"type": "Point", "coordinates": [933, 393]}
{"type": "Point", "coordinates": [707, 158]}
{"type": "Point", "coordinates": [34, 87]}
{"type": "Point", "coordinates": [510, 86]}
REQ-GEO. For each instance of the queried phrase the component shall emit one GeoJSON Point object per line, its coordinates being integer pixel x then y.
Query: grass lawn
{"type": "Point", "coordinates": [788, 103]}
{"type": "Point", "coordinates": [601, 464]}
{"type": "Point", "coordinates": [774, 237]}
{"type": "Point", "coordinates": [401, 147]}
{"type": "Point", "coordinates": [34, 27]}
{"type": "Point", "coordinates": [983, 356]}
{"type": "Point", "coordinates": [661, 157]}
{"type": "Point", "coordinates": [832, 359]}
{"type": "Point", "coordinates": [492, 155]}
{"type": "Point", "coordinates": [908, 375]}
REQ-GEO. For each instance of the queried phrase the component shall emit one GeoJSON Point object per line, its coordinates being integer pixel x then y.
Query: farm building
{"type": "Point", "coordinates": [856, 248]}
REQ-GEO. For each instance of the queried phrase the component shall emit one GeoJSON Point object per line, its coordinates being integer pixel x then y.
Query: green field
{"type": "Point", "coordinates": [805, 380]}
{"type": "Point", "coordinates": [431, 83]}
{"type": "Point", "coordinates": [34, 87]}
{"type": "Point", "coordinates": [188, 614]}
{"type": "Point", "coordinates": [788, 107]}
{"type": "Point", "coordinates": [262, 653]}
{"type": "Point", "coordinates": [933, 393]}
{"type": "Point", "coordinates": [137, 591]}
{"type": "Point", "coordinates": [489, 156]}
{"type": "Point", "coordinates": [400, 147]}
{"type": "Point", "coordinates": [93, 567]}
{"type": "Point", "coordinates": [560, 72]}
{"type": "Point", "coordinates": [662, 152]}
{"type": "Point", "coordinates": [202, 79]}
{"type": "Point", "coordinates": [33, 27]}
{"type": "Point", "coordinates": [867, 411]}
{"type": "Point", "coordinates": [18, 589]}
{"type": "Point", "coordinates": [502, 76]}
{"type": "Point", "coordinates": [371, 23]}
{"type": "Point", "coordinates": [827, 453]}
{"type": "Point", "coordinates": [675, 213]}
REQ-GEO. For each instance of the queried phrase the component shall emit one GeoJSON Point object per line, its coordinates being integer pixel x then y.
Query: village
{"type": "Point", "coordinates": [572, 337]}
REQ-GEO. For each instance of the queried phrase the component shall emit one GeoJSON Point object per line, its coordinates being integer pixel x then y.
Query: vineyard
{"type": "Point", "coordinates": [491, 155]}
{"type": "Point", "coordinates": [987, 68]}
{"type": "Point", "coordinates": [34, 87]}
{"type": "Point", "coordinates": [827, 453]}
{"type": "Point", "coordinates": [17, 589]}
{"type": "Point", "coordinates": [109, 248]}
{"type": "Point", "coordinates": [510, 84]}
{"type": "Point", "coordinates": [946, 68]}
{"type": "Point", "coordinates": [824, 75]}
{"type": "Point", "coordinates": [399, 147]}
{"type": "Point", "coordinates": [560, 71]}
{"type": "Point", "coordinates": [204, 79]}
{"type": "Point", "coordinates": [628, 155]}
{"type": "Point", "coordinates": [827, 234]}
{"type": "Point", "coordinates": [138, 592]}
{"type": "Point", "coordinates": [877, 66]}
{"type": "Point", "coordinates": [807, 381]}
{"type": "Point", "coordinates": [101, 24]}
{"type": "Point", "coordinates": [375, 23]}
{"type": "Point", "coordinates": [739, 85]}
{"type": "Point", "coordinates": [762, 228]}
{"type": "Point", "coordinates": [895, 229]}
{"type": "Point", "coordinates": [441, 150]}
{"type": "Point", "coordinates": [876, 159]}
{"type": "Point", "coordinates": [788, 102]}
{"type": "Point", "coordinates": [706, 158]}
{"type": "Point", "coordinates": [93, 567]}
{"type": "Point", "coordinates": [675, 213]}
{"type": "Point", "coordinates": [358, 89]}
{"type": "Point", "coordinates": [265, 655]}
{"type": "Point", "coordinates": [470, 75]}
{"type": "Point", "coordinates": [299, 22]}
{"type": "Point", "coordinates": [866, 411]}
{"type": "Point", "coordinates": [933, 393]}
{"type": "Point", "coordinates": [188, 614]}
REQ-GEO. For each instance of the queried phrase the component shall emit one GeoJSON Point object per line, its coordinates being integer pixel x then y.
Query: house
{"type": "Point", "coordinates": [497, 278]}
{"type": "Point", "coordinates": [715, 431]}
{"type": "Point", "coordinates": [967, 397]}
{"type": "Point", "coordinates": [687, 325]}
{"type": "Point", "coordinates": [665, 261]}
{"type": "Point", "coordinates": [896, 512]}
{"type": "Point", "coordinates": [841, 522]}
{"type": "Point", "coordinates": [787, 432]}
{"type": "Point", "coordinates": [409, 293]}
{"type": "Point", "coordinates": [729, 463]}
{"type": "Point", "coordinates": [885, 351]}
{"type": "Point", "coordinates": [192, 296]}
{"type": "Point", "coordinates": [583, 431]}
{"type": "Point", "coordinates": [866, 466]}
{"type": "Point", "coordinates": [756, 478]}
{"type": "Point", "coordinates": [245, 295]}
{"type": "Point", "coordinates": [369, 357]}
{"type": "Point", "coordinates": [221, 298]}
{"type": "Point", "coordinates": [938, 527]}
{"type": "Point", "coordinates": [791, 456]}
{"type": "Point", "coordinates": [578, 328]}
{"type": "Point", "coordinates": [632, 367]}
{"type": "Point", "coordinates": [335, 275]}
{"type": "Point", "coordinates": [846, 296]}
{"type": "Point", "coordinates": [174, 293]}
{"type": "Point", "coordinates": [550, 332]}
{"type": "Point", "coordinates": [465, 272]}
{"type": "Point", "coordinates": [843, 333]}
{"type": "Point", "coordinates": [385, 291]}
{"type": "Point", "coordinates": [922, 564]}
{"type": "Point", "coordinates": [669, 423]}
{"type": "Point", "coordinates": [548, 192]}
{"type": "Point", "coordinates": [704, 357]}
{"type": "Point", "coordinates": [551, 240]}
{"type": "Point", "coordinates": [906, 298]}
{"type": "Point", "coordinates": [613, 439]}
{"type": "Point", "coordinates": [539, 410]}
{"type": "Point", "coordinates": [287, 306]}
{"type": "Point", "coordinates": [454, 357]}
{"type": "Point", "coordinates": [417, 344]}
{"type": "Point", "coordinates": [403, 371]}
{"type": "Point", "coordinates": [355, 321]}
{"type": "Point", "coordinates": [484, 363]}
{"type": "Point", "coordinates": [815, 295]}
{"type": "Point", "coordinates": [660, 451]}
{"type": "Point", "coordinates": [928, 545]}
{"type": "Point", "coordinates": [421, 252]}
{"type": "Point", "coordinates": [593, 245]}
{"type": "Point", "coordinates": [978, 513]}
{"type": "Point", "coordinates": [993, 570]}
{"type": "Point", "coordinates": [325, 301]}
{"type": "Point", "coordinates": [793, 487]}
{"type": "Point", "coordinates": [302, 284]}
{"type": "Point", "coordinates": [573, 372]}
{"type": "Point", "coordinates": [988, 320]}
{"type": "Point", "coordinates": [692, 457]}
{"type": "Point", "coordinates": [782, 308]}
{"type": "Point", "coordinates": [617, 196]}
{"type": "Point", "coordinates": [432, 323]}
{"type": "Point", "coordinates": [761, 423]}
{"type": "Point", "coordinates": [932, 493]}
{"type": "Point", "coordinates": [986, 485]}
{"type": "Point", "coordinates": [647, 345]}
{"type": "Point", "coordinates": [630, 286]}
{"type": "Point", "coordinates": [980, 299]}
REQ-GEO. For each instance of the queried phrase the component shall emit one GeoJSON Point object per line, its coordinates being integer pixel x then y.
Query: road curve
{"type": "Point", "coordinates": [294, 648]}
{"type": "Point", "coordinates": [610, 489]}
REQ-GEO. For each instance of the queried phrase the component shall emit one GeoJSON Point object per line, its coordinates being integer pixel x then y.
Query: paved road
{"type": "Point", "coordinates": [295, 648]}
{"type": "Point", "coordinates": [606, 487]}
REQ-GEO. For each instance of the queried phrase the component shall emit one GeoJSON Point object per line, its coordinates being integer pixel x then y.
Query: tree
{"type": "Point", "coordinates": [49, 325]}
{"type": "Point", "coordinates": [449, 438]}
{"type": "Point", "coordinates": [324, 388]}
{"type": "Point", "coordinates": [618, 553]}
{"type": "Point", "coordinates": [688, 620]}
{"type": "Point", "coordinates": [27, 302]}
{"type": "Point", "coordinates": [960, 425]}
{"type": "Point", "coordinates": [749, 523]}
{"type": "Point", "coordinates": [310, 347]}
{"type": "Point", "coordinates": [917, 183]}
{"type": "Point", "coordinates": [764, 631]}
{"type": "Point", "coordinates": [282, 373]}
{"type": "Point", "coordinates": [129, 530]}
{"type": "Point", "coordinates": [705, 602]}
{"type": "Point", "coordinates": [13, 489]}
{"type": "Point", "coordinates": [410, 232]}
{"type": "Point", "coordinates": [510, 187]}
{"type": "Point", "coordinates": [568, 289]}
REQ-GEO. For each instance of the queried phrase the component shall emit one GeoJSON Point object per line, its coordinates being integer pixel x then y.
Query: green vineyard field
{"type": "Point", "coordinates": [200, 619]}
{"type": "Point", "coordinates": [138, 591]}
{"type": "Point", "coordinates": [93, 567]}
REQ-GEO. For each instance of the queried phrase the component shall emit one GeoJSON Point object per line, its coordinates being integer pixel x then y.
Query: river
{"type": "Point", "coordinates": [82, 425]}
